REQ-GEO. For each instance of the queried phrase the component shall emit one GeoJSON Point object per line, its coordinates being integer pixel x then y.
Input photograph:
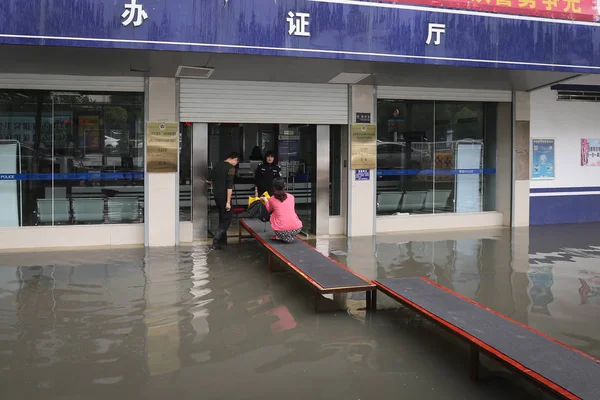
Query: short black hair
{"type": "Point", "coordinates": [270, 153]}
{"type": "Point", "coordinates": [233, 155]}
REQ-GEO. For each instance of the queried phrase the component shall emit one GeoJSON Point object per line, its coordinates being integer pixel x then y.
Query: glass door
{"type": "Point", "coordinates": [298, 156]}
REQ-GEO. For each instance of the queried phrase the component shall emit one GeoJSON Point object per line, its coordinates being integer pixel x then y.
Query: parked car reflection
{"type": "Point", "coordinates": [396, 155]}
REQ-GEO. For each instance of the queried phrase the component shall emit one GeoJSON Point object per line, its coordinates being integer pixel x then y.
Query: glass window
{"type": "Point", "coordinates": [335, 170]}
{"type": "Point", "coordinates": [71, 158]}
{"type": "Point", "coordinates": [185, 171]}
{"type": "Point", "coordinates": [435, 157]}
{"type": "Point", "coordinates": [404, 156]}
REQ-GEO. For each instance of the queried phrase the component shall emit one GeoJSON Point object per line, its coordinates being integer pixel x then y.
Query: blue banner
{"type": "Point", "coordinates": [342, 29]}
{"type": "Point", "coordinates": [86, 176]}
{"type": "Point", "coordinates": [427, 172]}
{"type": "Point", "coordinates": [542, 157]}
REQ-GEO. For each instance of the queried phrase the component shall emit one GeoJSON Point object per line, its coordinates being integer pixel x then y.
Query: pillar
{"type": "Point", "coordinates": [322, 181]}
{"type": "Point", "coordinates": [520, 203]}
{"type": "Point", "coordinates": [504, 161]}
{"type": "Point", "coordinates": [361, 194]}
{"type": "Point", "coordinates": [161, 190]}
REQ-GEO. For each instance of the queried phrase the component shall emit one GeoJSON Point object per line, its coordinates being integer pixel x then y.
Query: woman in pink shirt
{"type": "Point", "coordinates": [284, 220]}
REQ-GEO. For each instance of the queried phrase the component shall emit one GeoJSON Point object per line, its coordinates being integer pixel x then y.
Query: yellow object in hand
{"type": "Point", "coordinates": [252, 199]}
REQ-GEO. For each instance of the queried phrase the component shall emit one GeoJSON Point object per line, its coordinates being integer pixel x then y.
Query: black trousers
{"type": "Point", "coordinates": [224, 215]}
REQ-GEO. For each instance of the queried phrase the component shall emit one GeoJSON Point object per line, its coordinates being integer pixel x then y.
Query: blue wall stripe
{"type": "Point", "coordinates": [86, 176]}
{"type": "Point", "coordinates": [426, 172]}
{"type": "Point", "coordinates": [547, 210]}
{"type": "Point", "coordinates": [565, 189]}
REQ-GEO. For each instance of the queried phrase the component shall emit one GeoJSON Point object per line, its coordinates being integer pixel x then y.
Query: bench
{"type": "Point", "coordinates": [324, 274]}
{"type": "Point", "coordinates": [554, 366]}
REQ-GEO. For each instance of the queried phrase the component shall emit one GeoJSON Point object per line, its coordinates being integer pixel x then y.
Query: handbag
{"type": "Point", "coordinates": [258, 210]}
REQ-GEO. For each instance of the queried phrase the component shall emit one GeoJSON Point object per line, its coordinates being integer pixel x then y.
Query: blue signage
{"type": "Point", "coordinates": [362, 175]}
{"type": "Point", "coordinates": [542, 159]}
{"type": "Point", "coordinates": [342, 29]}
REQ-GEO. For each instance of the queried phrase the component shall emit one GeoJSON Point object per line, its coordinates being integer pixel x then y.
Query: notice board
{"type": "Point", "coordinates": [363, 146]}
{"type": "Point", "coordinates": [162, 147]}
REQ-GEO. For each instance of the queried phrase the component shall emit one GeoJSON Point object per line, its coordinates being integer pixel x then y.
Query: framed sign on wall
{"type": "Point", "coordinates": [590, 152]}
{"type": "Point", "coordinates": [363, 145]}
{"type": "Point", "coordinates": [542, 159]}
{"type": "Point", "coordinates": [162, 145]}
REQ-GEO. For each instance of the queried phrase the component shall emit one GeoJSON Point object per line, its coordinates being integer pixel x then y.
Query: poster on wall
{"type": "Point", "coordinates": [289, 145]}
{"type": "Point", "coordinates": [590, 152]}
{"type": "Point", "coordinates": [363, 146]}
{"type": "Point", "coordinates": [542, 159]}
{"type": "Point", "coordinates": [468, 185]}
{"type": "Point", "coordinates": [9, 197]}
{"type": "Point", "coordinates": [89, 132]}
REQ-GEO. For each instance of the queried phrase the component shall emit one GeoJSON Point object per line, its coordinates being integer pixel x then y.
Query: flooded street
{"type": "Point", "coordinates": [192, 323]}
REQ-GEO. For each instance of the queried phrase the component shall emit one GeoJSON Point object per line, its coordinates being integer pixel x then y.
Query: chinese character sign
{"type": "Point", "coordinates": [363, 146]}
{"type": "Point", "coordinates": [134, 13]}
{"type": "Point", "coordinates": [162, 147]}
{"type": "Point", "coordinates": [590, 152]}
{"type": "Point", "coordinates": [434, 33]}
{"type": "Point", "coordinates": [582, 10]}
{"type": "Point", "coordinates": [542, 159]}
{"type": "Point", "coordinates": [298, 24]}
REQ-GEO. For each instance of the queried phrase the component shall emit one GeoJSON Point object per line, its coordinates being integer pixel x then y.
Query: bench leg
{"type": "Point", "coordinates": [474, 362]}
{"type": "Point", "coordinates": [239, 233]}
{"type": "Point", "coordinates": [371, 300]}
{"type": "Point", "coordinates": [270, 262]}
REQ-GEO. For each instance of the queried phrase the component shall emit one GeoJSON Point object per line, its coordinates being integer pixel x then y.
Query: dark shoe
{"type": "Point", "coordinates": [218, 239]}
{"type": "Point", "coordinates": [224, 239]}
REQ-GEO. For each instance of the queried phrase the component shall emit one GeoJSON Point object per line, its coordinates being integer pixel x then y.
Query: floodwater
{"type": "Point", "coordinates": [197, 324]}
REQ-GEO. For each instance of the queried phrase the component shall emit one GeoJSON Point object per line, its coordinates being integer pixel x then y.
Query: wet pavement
{"type": "Point", "coordinates": [192, 323]}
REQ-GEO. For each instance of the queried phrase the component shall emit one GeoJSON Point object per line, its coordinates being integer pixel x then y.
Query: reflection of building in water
{"type": "Point", "coordinates": [465, 277]}
{"type": "Point", "coordinates": [454, 264]}
{"type": "Point", "coordinates": [89, 315]}
{"type": "Point", "coordinates": [200, 298]}
{"type": "Point", "coordinates": [564, 291]}
{"type": "Point", "coordinates": [540, 289]}
{"type": "Point", "coordinates": [590, 287]}
{"type": "Point", "coordinates": [475, 267]}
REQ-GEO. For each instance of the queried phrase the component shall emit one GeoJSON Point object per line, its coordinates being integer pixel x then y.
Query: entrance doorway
{"type": "Point", "coordinates": [295, 146]}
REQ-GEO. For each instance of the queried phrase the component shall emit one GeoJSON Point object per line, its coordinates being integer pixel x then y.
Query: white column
{"type": "Point", "coordinates": [322, 181]}
{"type": "Point", "coordinates": [161, 190]}
{"type": "Point", "coordinates": [522, 115]}
{"type": "Point", "coordinates": [361, 194]}
{"type": "Point", "coordinates": [504, 161]}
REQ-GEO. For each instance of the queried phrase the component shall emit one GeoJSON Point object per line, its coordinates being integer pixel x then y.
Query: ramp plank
{"type": "Point", "coordinates": [569, 369]}
{"type": "Point", "coordinates": [324, 271]}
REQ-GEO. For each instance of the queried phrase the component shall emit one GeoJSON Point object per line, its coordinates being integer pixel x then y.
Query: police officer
{"type": "Point", "coordinates": [265, 173]}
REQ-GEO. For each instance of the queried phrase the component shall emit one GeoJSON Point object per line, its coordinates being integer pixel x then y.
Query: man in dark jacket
{"type": "Point", "coordinates": [222, 177]}
{"type": "Point", "coordinates": [264, 175]}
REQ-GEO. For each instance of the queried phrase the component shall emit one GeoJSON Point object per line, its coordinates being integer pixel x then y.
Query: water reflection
{"type": "Point", "coordinates": [158, 324]}
{"type": "Point", "coordinates": [545, 277]}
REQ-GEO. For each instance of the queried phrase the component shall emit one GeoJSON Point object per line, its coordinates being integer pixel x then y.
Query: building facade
{"type": "Point", "coordinates": [385, 116]}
